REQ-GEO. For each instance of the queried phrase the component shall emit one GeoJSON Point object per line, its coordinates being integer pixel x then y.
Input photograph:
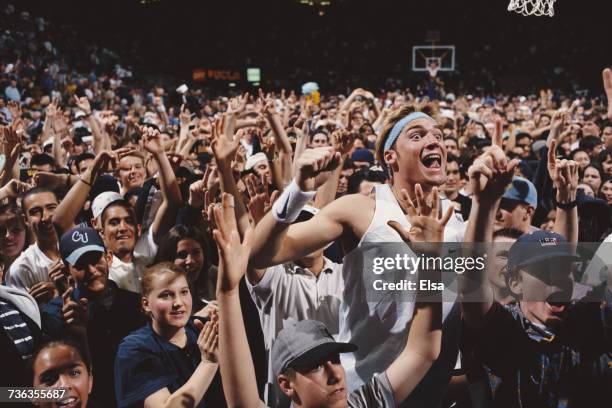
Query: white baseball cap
{"type": "Point", "coordinates": [103, 200]}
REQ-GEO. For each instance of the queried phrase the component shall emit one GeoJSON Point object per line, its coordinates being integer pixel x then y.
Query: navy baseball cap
{"type": "Point", "coordinates": [303, 344]}
{"type": "Point", "coordinates": [363, 155]}
{"type": "Point", "coordinates": [79, 241]}
{"type": "Point", "coordinates": [537, 246]}
{"type": "Point", "coordinates": [104, 183]}
{"type": "Point", "coordinates": [522, 190]}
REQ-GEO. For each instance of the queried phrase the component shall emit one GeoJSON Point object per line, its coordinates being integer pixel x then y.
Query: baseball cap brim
{"type": "Point", "coordinates": [318, 353]}
{"type": "Point", "coordinates": [546, 257]}
{"type": "Point", "coordinates": [73, 258]}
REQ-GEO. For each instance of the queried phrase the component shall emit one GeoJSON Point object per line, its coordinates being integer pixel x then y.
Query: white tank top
{"type": "Point", "coordinates": [380, 328]}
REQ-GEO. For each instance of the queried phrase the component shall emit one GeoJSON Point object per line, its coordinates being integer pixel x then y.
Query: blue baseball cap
{"type": "Point", "coordinates": [522, 190]}
{"type": "Point", "coordinates": [363, 155]}
{"type": "Point", "coordinates": [538, 246]}
{"type": "Point", "coordinates": [79, 241]}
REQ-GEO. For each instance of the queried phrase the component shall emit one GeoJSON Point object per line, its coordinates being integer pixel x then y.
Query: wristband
{"type": "Point", "coordinates": [290, 203]}
{"type": "Point", "coordinates": [81, 179]}
{"type": "Point", "coordinates": [565, 206]}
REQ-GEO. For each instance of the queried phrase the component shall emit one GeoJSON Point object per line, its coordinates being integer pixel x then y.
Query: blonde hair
{"type": "Point", "coordinates": [159, 269]}
{"type": "Point", "coordinates": [394, 117]}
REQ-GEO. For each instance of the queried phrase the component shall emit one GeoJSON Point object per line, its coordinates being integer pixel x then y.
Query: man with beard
{"type": "Point", "coordinates": [411, 146]}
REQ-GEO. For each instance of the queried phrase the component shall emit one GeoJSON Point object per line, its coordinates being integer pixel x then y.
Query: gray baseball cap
{"type": "Point", "coordinates": [304, 343]}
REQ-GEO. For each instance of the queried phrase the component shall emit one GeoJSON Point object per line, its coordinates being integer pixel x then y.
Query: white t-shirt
{"type": "Point", "coordinates": [30, 268]}
{"type": "Point", "coordinates": [288, 293]}
{"type": "Point", "coordinates": [127, 275]}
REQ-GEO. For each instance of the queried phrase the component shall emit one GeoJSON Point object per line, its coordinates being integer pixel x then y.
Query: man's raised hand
{"type": "Point", "coordinates": [75, 314]}
{"type": "Point", "coordinates": [427, 225]}
{"type": "Point", "coordinates": [184, 116]}
{"type": "Point", "coordinates": [238, 104]}
{"type": "Point", "coordinates": [342, 140]}
{"type": "Point", "coordinates": [314, 167]}
{"type": "Point", "coordinates": [223, 148]}
{"type": "Point", "coordinates": [491, 172]}
{"type": "Point", "coordinates": [260, 199]}
{"type": "Point", "coordinates": [564, 175]}
{"type": "Point", "coordinates": [15, 188]}
{"type": "Point", "coordinates": [152, 140]}
{"type": "Point", "coordinates": [607, 82]}
{"type": "Point", "coordinates": [233, 254]}
{"type": "Point", "coordinates": [83, 104]}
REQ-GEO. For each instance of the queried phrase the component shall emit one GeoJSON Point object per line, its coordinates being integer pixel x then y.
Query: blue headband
{"type": "Point", "coordinates": [397, 129]}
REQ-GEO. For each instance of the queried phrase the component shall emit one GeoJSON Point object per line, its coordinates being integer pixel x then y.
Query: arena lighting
{"type": "Point", "coordinates": [320, 4]}
{"type": "Point", "coordinates": [315, 2]}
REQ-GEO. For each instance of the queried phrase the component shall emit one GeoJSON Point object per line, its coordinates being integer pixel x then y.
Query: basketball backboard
{"type": "Point", "coordinates": [423, 56]}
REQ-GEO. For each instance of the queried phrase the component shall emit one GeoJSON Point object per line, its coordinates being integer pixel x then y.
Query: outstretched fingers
{"type": "Point", "coordinates": [407, 203]}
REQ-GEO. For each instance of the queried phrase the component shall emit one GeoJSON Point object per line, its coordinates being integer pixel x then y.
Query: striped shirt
{"type": "Point", "coordinates": [16, 329]}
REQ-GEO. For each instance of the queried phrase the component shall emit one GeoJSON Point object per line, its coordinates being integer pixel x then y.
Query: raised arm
{"type": "Point", "coordinates": [48, 130]}
{"type": "Point", "coordinates": [283, 147]}
{"type": "Point", "coordinates": [342, 140]}
{"type": "Point", "coordinates": [172, 200]}
{"type": "Point", "coordinates": [564, 175]}
{"type": "Point", "coordinates": [425, 335]}
{"type": "Point", "coordinates": [276, 241]}
{"type": "Point", "coordinates": [351, 98]}
{"type": "Point", "coordinates": [68, 208]}
{"type": "Point", "coordinates": [237, 369]}
{"type": "Point", "coordinates": [235, 108]}
{"type": "Point", "coordinates": [302, 143]}
{"type": "Point", "coordinates": [489, 176]}
{"type": "Point", "coordinates": [607, 82]}
{"type": "Point", "coordinates": [11, 145]}
{"type": "Point", "coordinates": [224, 149]}
{"type": "Point", "coordinates": [100, 138]}
{"type": "Point", "coordinates": [185, 121]}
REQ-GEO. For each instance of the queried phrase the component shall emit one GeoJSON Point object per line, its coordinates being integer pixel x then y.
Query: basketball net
{"type": "Point", "coordinates": [433, 72]}
{"type": "Point", "coordinates": [533, 7]}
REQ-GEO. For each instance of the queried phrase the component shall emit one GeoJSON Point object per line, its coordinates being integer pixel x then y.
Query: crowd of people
{"type": "Point", "coordinates": [169, 250]}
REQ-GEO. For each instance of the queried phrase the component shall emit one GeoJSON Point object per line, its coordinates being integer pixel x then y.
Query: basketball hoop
{"type": "Point", "coordinates": [533, 7]}
{"type": "Point", "coordinates": [433, 66]}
